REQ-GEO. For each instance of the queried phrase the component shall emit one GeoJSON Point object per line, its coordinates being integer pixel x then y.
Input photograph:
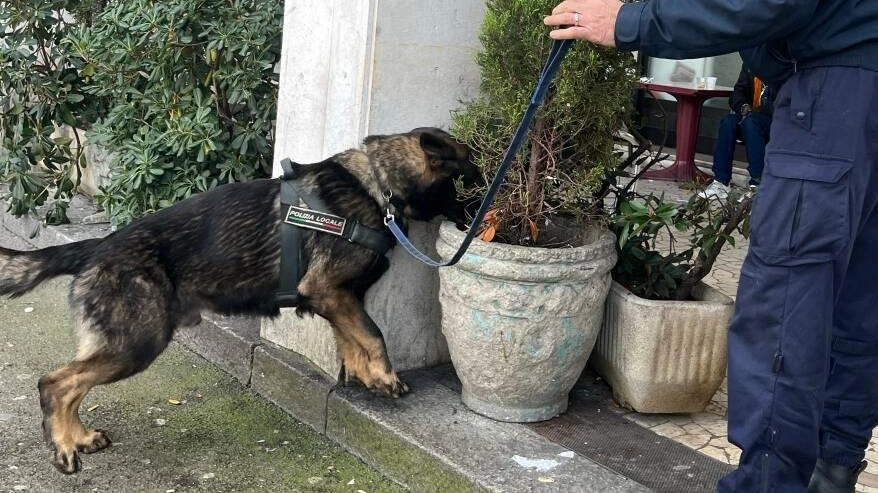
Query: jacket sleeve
{"type": "Point", "coordinates": [680, 29]}
{"type": "Point", "coordinates": [742, 93]}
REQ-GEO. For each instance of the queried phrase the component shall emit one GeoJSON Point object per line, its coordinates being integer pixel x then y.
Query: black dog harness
{"type": "Point", "coordinates": [300, 209]}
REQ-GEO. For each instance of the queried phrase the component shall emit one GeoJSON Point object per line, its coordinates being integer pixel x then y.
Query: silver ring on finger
{"type": "Point", "coordinates": [576, 17]}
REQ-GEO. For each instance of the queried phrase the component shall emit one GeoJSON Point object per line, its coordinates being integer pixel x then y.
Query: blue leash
{"type": "Point", "coordinates": [559, 49]}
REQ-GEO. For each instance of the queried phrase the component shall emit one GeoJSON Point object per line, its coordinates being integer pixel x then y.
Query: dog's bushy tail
{"type": "Point", "coordinates": [22, 271]}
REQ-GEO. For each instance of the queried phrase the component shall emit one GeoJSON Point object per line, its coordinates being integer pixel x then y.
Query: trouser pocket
{"type": "Point", "coordinates": [801, 214]}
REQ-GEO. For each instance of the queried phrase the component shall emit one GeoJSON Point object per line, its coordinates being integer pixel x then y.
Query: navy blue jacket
{"type": "Point", "coordinates": [775, 37]}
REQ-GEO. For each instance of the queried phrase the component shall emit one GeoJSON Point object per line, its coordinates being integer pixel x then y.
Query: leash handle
{"type": "Point", "coordinates": [553, 63]}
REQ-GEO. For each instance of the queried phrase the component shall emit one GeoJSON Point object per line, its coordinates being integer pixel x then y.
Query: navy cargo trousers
{"type": "Point", "coordinates": [803, 343]}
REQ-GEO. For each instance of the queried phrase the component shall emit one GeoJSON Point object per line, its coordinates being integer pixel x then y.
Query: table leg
{"type": "Point", "coordinates": [688, 122]}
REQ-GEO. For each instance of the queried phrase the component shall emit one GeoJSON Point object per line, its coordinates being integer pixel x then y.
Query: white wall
{"type": "Point", "coordinates": [355, 68]}
{"type": "Point", "coordinates": [351, 69]}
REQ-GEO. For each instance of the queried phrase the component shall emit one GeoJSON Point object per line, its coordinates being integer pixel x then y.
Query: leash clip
{"type": "Point", "coordinates": [388, 194]}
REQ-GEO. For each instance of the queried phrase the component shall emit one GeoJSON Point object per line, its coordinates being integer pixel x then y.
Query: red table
{"type": "Point", "coordinates": [689, 103]}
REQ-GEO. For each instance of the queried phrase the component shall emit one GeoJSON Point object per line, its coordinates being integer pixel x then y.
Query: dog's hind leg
{"type": "Point", "coordinates": [360, 342]}
{"type": "Point", "coordinates": [123, 325]}
{"type": "Point", "coordinates": [61, 393]}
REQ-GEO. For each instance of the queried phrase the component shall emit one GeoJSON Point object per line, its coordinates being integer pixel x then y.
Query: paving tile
{"type": "Point", "coordinates": [694, 441]}
{"type": "Point", "coordinates": [669, 430]}
{"type": "Point", "coordinates": [715, 452]}
{"type": "Point", "coordinates": [694, 429]}
{"type": "Point", "coordinates": [869, 479]}
{"type": "Point", "coordinates": [718, 428]}
{"type": "Point", "coordinates": [720, 410]}
{"type": "Point", "coordinates": [734, 455]}
{"type": "Point", "coordinates": [704, 418]}
{"type": "Point", "coordinates": [648, 420]}
{"type": "Point", "coordinates": [721, 443]}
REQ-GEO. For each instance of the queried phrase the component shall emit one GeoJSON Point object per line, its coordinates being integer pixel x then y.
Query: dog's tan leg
{"type": "Point", "coordinates": [350, 353]}
{"type": "Point", "coordinates": [122, 337]}
{"type": "Point", "coordinates": [366, 357]}
{"type": "Point", "coordinates": [360, 343]}
{"type": "Point", "coordinates": [354, 359]}
{"type": "Point", "coordinates": [61, 393]}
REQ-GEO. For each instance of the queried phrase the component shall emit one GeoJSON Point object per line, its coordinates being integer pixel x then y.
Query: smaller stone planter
{"type": "Point", "coordinates": [664, 356]}
{"type": "Point", "coordinates": [521, 322]}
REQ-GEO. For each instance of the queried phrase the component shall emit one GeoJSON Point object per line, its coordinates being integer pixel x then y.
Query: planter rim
{"type": "Point", "coordinates": [450, 239]}
{"type": "Point", "coordinates": [529, 264]}
{"type": "Point", "coordinates": [721, 298]}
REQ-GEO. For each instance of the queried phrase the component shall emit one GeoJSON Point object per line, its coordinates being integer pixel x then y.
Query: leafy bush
{"type": "Point", "coordinates": [570, 145]}
{"type": "Point", "coordinates": [182, 92]}
{"type": "Point", "coordinates": [41, 89]}
{"type": "Point", "coordinates": [194, 94]}
{"type": "Point", "coordinates": [649, 228]}
{"type": "Point", "coordinates": [653, 271]}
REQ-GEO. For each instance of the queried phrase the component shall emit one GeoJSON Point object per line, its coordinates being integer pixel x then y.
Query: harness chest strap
{"type": "Point", "coordinates": [295, 218]}
{"type": "Point", "coordinates": [290, 250]}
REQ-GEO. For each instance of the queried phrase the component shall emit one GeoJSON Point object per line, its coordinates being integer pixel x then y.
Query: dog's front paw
{"type": "Point", "coordinates": [390, 385]}
{"type": "Point", "coordinates": [377, 381]}
{"type": "Point", "coordinates": [397, 389]}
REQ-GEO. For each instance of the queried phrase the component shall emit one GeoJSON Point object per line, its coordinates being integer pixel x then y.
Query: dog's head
{"type": "Point", "coordinates": [420, 168]}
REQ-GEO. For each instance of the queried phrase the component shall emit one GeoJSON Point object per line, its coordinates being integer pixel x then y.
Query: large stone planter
{"type": "Point", "coordinates": [521, 322]}
{"type": "Point", "coordinates": [664, 356]}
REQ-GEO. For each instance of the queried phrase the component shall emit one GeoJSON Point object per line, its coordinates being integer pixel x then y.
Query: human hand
{"type": "Point", "coordinates": [592, 20]}
{"type": "Point", "coordinates": [745, 110]}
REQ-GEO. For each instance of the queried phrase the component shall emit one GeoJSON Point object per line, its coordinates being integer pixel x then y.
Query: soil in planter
{"type": "Point", "coordinates": [691, 296]}
{"type": "Point", "coordinates": [560, 232]}
{"type": "Point", "coordinates": [655, 298]}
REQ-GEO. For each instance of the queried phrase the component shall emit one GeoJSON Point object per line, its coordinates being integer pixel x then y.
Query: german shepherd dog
{"type": "Point", "coordinates": [220, 251]}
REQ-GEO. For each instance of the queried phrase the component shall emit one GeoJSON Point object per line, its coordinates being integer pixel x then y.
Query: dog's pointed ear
{"type": "Point", "coordinates": [438, 145]}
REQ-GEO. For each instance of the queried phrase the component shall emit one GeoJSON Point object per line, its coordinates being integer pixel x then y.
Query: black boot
{"type": "Point", "coordinates": [834, 478]}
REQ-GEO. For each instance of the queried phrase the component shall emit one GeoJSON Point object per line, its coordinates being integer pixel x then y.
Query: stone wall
{"type": "Point", "coordinates": [97, 171]}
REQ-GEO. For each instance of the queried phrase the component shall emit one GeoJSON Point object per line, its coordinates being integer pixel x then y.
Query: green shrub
{"type": "Point", "coordinates": [666, 249]}
{"type": "Point", "coordinates": [41, 89]}
{"type": "Point", "coordinates": [183, 93]}
{"type": "Point", "coordinates": [659, 271]}
{"type": "Point", "coordinates": [570, 146]}
{"type": "Point", "coordinates": [194, 94]}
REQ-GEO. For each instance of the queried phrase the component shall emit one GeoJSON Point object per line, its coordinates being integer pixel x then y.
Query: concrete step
{"type": "Point", "coordinates": [428, 441]}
